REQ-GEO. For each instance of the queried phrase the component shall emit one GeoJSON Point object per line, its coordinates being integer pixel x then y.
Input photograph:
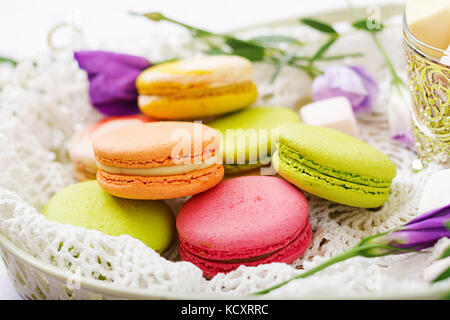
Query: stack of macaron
{"type": "Point", "coordinates": [158, 160]}
{"type": "Point", "coordinates": [246, 219]}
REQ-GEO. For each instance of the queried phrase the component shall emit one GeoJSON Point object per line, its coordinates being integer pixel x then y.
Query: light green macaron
{"type": "Point", "coordinates": [333, 165]}
{"type": "Point", "coordinates": [86, 205]}
{"type": "Point", "coordinates": [248, 136]}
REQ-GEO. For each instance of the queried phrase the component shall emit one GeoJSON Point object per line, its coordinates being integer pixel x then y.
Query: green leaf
{"type": "Point", "coordinates": [198, 33]}
{"type": "Point", "coordinates": [324, 48]}
{"type": "Point", "coordinates": [319, 25]}
{"type": "Point", "coordinates": [215, 51]}
{"type": "Point", "coordinates": [246, 49]}
{"type": "Point", "coordinates": [343, 56]}
{"type": "Point", "coordinates": [276, 39]}
{"type": "Point", "coordinates": [8, 60]}
{"type": "Point", "coordinates": [447, 224]}
{"type": "Point", "coordinates": [444, 275]}
{"type": "Point", "coordinates": [249, 53]}
{"type": "Point", "coordinates": [446, 296]}
{"type": "Point", "coordinates": [364, 25]}
{"type": "Point", "coordinates": [236, 43]}
{"type": "Point", "coordinates": [445, 254]}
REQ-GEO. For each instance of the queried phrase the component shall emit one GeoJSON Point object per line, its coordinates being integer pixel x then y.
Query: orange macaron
{"type": "Point", "coordinates": [158, 160]}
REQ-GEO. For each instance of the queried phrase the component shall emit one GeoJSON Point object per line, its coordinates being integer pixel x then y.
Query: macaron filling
{"type": "Point", "coordinates": [159, 171]}
{"type": "Point", "coordinates": [195, 93]}
{"type": "Point", "coordinates": [293, 159]}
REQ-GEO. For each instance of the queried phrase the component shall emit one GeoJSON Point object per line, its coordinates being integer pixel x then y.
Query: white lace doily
{"type": "Point", "coordinates": [47, 100]}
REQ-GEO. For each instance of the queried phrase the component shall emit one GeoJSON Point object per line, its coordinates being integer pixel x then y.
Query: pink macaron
{"type": "Point", "coordinates": [80, 147]}
{"type": "Point", "coordinates": [248, 220]}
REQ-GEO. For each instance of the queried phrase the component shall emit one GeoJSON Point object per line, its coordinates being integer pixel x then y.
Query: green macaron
{"type": "Point", "coordinates": [248, 136]}
{"type": "Point", "coordinates": [333, 165]}
{"type": "Point", "coordinates": [86, 205]}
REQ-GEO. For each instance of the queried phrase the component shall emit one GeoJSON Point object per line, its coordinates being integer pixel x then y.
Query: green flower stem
{"type": "Point", "coordinates": [311, 70]}
{"type": "Point", "coordinates": [356, 251]}
{"type": "Point", "coordinates": [155, 16]}
{"type": "Point", "coordinates": [395, 78]}
{"type": "Point", "coordinates": [358, 13]}
{"type": "Point", "coordinates": [201, 32]}
{"type": "Point", "coordinates": [322, 50]}
{"type": "Point", "coordinates": [383, 52]}
{"type": "Point", "coordinates": [261, 52]}
{"type": "Point", "coordinates": [332, 58]}
{"type": "Point", "coordinates": [191, 28]}
{"type": "Point", "coordinates": [8, 60]}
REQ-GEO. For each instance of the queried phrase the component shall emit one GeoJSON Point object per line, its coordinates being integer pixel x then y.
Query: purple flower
{"type": "Point", "coordinates": [353, 82]}
{"type": "Point", "coordinates": [406, 139]}
{"type": "Point", "coordinates": [421, 233]}
{"type": "Point", "coordinates": [112, 78]}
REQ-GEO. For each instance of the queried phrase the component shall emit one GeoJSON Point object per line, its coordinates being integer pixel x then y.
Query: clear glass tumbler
{"type": "Point", "coordinates": [429, 83]}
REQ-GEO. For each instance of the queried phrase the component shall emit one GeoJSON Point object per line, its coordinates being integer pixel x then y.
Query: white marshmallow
{"type": "Point", "coordinates": [335, 113]}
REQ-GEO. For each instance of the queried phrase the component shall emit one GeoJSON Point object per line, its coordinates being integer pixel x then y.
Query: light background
{"type": "Point", "coordinates": [24, 25]}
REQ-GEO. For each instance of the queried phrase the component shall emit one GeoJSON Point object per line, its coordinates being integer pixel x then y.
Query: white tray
{"type": "Point", "coordinates": [37, 280]}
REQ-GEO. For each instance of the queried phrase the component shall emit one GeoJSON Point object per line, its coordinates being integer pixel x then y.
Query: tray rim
{"type": "Point", "coordinates": [119, 291]}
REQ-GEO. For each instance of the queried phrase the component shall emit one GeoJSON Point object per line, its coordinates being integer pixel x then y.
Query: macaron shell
{"type": "Point", "coordinates": [86, 205]}
{"type": "Point", "coordinates": [156, 144]}
{"type": "Point", "coordinates": [167, 187]}
{"type": "Point", "coordinates": [195, 74]}
{"type": "Point", "coordinates": [288, 254]}
{"type": "Point", "coordinates": [337, 151]}
{"type": "Point", "coordinates": [329, 188]}
{"type": "Point", "coordinates": [199, 104]}
{"type": "Point", "coordinates": [267, 210]}
{"type": "Point", "coordinates": [196, 88]}
{"type": "Point", "coordinates": [296, 159]}
{"type": "Point", "coordinates": [246, 123]}
{"type": "Point", "coordinates": [256, 118]}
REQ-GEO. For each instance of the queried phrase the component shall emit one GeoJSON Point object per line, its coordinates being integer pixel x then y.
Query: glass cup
{"type": "Point", "coordinates": [429, 84]}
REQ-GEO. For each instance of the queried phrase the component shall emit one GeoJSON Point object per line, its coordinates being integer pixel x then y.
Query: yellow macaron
{"type": "Point", "coordinates": [196, 88]}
